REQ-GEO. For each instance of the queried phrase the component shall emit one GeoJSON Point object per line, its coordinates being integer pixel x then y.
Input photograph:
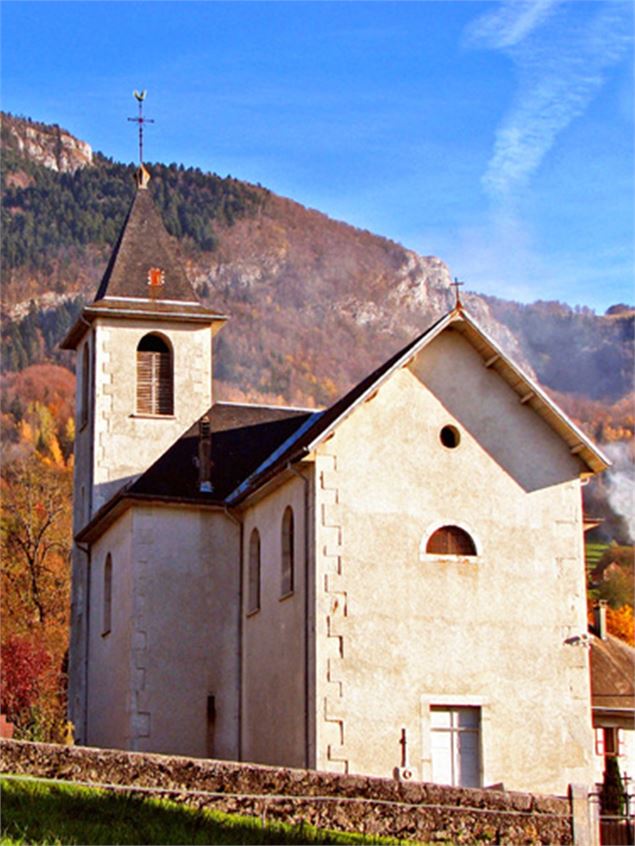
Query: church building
{"type": "Point", "coordinates": [392, 586]}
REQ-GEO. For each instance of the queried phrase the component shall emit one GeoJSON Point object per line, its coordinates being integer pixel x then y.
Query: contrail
{"type": "Point", "coordinates": [562, 55]}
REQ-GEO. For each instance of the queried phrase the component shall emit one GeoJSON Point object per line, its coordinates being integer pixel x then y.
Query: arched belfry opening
{"type": "Point", "coordinates": [155, 376]}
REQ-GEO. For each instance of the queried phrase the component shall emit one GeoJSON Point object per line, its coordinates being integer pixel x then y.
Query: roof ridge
{"type": "Point", "coordinates": [267, 405]}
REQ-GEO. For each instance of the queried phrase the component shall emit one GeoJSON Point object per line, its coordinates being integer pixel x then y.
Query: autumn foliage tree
{"type": "Point", "coordinates": [35, 538]}
{"type": "Point", "coordinates": [620, 623]}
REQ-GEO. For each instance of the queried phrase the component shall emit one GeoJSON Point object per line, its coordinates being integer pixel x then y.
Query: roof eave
{"type": "Point", "coordinates": [110, 512]}
{"type": "Point", "coordinates": [90, 313]}
{"type": "Point", "coordinates": [579, 444]}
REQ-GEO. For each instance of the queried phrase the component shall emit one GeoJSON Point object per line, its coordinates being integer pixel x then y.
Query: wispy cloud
{"type": "Point", "coordinates": [562, 53]}
{"type": "Point", "coordinates": [509, 23]}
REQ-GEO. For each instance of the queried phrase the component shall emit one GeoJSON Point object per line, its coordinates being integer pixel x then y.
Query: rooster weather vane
{"type": "Point", "coordinates": [140, 120]}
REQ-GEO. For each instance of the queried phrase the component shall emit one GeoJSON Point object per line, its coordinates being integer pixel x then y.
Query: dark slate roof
{"type": "Point", "coordinates": [612, 674]}
{"type": "Point", "coordinates": [144, 243]}
{"type": "Point", "coordinates": [242, 438]}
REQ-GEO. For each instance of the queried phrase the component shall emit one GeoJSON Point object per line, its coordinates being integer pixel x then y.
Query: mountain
{"type": "Point", "coordinates": [315, 304]}
{"type": "Point", "coordinates": [49, 146]}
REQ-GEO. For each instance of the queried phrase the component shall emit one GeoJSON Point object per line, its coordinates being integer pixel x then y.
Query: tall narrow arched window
{"type": "Point", "coordinates": [84, 383]}
{"type": "Point", "coordinates": [287, 574]}
{"type": "Point", "coordinates": [155, 383]}
{"type": "Point", "coordinates": [253, 585]}
{"type": "Point", "coordinates": [451, 540]}
{"type": "Point", "coordinates": [107, 597]}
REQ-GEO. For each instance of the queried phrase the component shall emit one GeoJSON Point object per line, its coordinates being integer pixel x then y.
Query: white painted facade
{"type": "Point", "coordinates": [400, 632]}
{"type": "Point", "coordinates": [378, 638]}
{"type": "Point", "coordinates": [382, 657]}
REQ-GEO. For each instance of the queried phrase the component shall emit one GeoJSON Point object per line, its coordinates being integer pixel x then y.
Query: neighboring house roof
{"type": "Point", "coordinates": [612, 674]}
{"type": "Point", "coordinates": [248, 449]}
{"type": "Point", "coordinates": [143, 244]}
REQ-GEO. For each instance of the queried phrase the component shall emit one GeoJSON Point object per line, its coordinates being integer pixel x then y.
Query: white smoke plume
{"type": "Point", "coordinates": [620, 483]}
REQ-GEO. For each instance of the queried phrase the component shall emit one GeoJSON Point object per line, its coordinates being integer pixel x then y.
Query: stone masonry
{"type": "Point", "coordinates": [374, 806]}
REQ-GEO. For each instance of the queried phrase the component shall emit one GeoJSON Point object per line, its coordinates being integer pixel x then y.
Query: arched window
{"type": "Point", "coordinates": [286, 585]}
{"type": "Point", "coordinates": [253, 588]}
{"type": "Point", "coordinates": [155, 391]}
{"type": "Point", "coordinates": [84, 381]}
{"type": "Point", "coordinates": [450, 540]}
{"type": "Point", "coordinates": [107, 597]}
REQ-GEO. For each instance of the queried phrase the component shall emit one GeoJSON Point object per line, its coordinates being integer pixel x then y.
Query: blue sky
{"type": "Point", "coordinates": [497, 136]}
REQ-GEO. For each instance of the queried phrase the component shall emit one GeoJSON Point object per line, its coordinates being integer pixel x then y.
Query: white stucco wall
{"type": "Point", "coordinates": [126, 444]}
{"type": "Point", "coordinates": [109, 667]}
{"type": "Point", "coordinates": [186, 631]}
{"type": "Point", "coordinates": [398, 630]}
{"type": "Point", "coordinates": [115, 445]}
{"type": "Point", "coordinates": [174, 638]}
{"type": "Point", "coordinates": [274, 674]}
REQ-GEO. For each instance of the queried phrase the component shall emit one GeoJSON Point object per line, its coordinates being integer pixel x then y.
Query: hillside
{"type": "Point", "coordinates": [315, 304]}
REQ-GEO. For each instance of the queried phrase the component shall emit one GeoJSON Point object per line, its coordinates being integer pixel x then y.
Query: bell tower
{"type": "Point", "coordinates": [144, 359]}
{"type": "Point", "coordinates": [144, 375]}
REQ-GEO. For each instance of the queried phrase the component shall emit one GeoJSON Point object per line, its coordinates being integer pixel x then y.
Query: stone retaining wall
{"type": "Point", "coordinates": [349, 803]}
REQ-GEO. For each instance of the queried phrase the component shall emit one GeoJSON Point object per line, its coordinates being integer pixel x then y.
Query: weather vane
{"type": "Point", "coordinates": [456, 285]}
{"type": "Point", "coordinates": [141, 120]}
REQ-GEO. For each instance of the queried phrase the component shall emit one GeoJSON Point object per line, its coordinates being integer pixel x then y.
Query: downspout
{"type": "Point", "coordinates": [240, 525]}
{"type": "Point", "coordinates": [86, 551]}
{"type": "Point", "coordinates": [307, 608]}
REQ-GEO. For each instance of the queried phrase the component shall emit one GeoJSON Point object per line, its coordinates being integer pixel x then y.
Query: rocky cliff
{"type": "Point", "coordinates": [49, 146]}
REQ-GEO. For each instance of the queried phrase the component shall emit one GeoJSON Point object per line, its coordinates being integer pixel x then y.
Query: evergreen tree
{"type": "Point", "coordinates": [612, 793]}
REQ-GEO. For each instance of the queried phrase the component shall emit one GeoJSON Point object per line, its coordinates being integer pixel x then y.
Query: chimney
{"type": "Point", "coordinates": [599, 619]}
{"type": "Point", "coordinates": [205, 456]}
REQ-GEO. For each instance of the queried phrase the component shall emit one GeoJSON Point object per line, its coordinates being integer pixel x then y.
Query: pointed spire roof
{"type": "Point", "coordinates": [143, 264]}
{"type": "Point", "coordinates": [144, 278]}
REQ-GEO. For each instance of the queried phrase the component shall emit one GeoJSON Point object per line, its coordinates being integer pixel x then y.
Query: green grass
{"type": "Point", "coordinates": [40, 812]}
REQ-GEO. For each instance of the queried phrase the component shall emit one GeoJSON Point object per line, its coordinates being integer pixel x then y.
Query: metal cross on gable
{"type": "Point", "coordinates": [456, 285]}
{"type": "Point", "coordinates": [141, 120]}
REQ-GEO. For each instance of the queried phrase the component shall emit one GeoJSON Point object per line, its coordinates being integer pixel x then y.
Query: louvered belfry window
{"type": "Point", "coordinates": [450, 540]}
{"type": "Point", "coordinates": [155, 383]}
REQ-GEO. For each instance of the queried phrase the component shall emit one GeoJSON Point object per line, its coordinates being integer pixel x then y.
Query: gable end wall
{"type": "Point", "coordinates": [398, 630]}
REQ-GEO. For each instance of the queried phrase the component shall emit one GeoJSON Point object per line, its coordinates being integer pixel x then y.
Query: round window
{"type": "Point", "coordinates": [450, 437]}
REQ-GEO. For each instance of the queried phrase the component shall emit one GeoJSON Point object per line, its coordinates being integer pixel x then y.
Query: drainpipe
{"type": "Point", "coordinates": [240, 525]}
{"type": "Point", "coordinates": [307, 626]}
{"type": "Point", "coordinates": [87, 552]}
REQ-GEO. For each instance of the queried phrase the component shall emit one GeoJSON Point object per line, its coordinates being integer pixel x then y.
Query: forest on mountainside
{"type": "Point", "coordinates": [315, 305]}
